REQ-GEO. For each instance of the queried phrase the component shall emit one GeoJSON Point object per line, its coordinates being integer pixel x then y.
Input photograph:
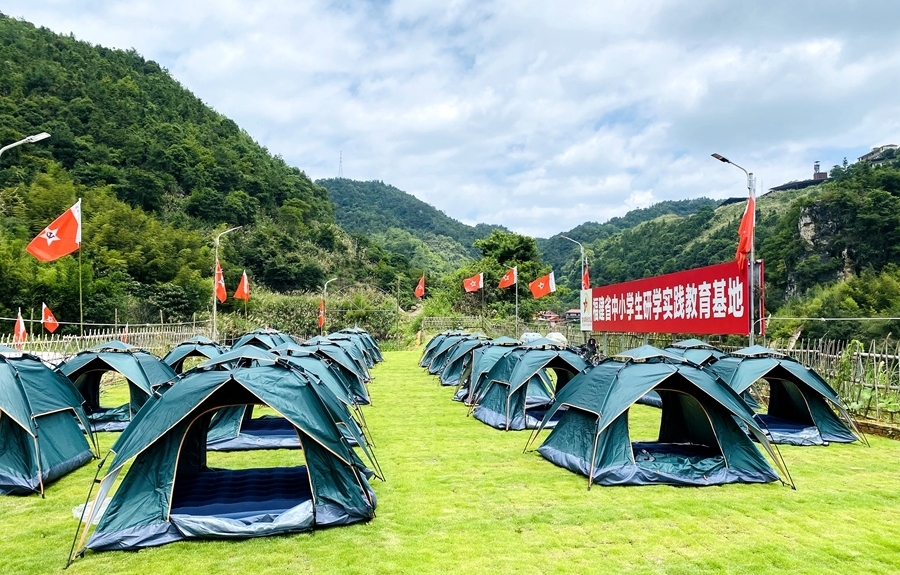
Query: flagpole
{"type": "Point", "coordinates": [750, 194]}
{"type": "Point", "coordinates": [517, 305]}
{"type": "Point", "coordinates": [80, 296]}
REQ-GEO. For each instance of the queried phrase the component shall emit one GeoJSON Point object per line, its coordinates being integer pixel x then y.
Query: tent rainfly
{"type": "Point", "coordinates": [483, 359]}
{"type": "Point", "coordinates": [40, 413]}
{"type": "Point", "coordinates": [197, 346]}
{"type": "Point", "coordinates": [234, 428]}
{"type": "Point", "coordinates": [518, 389]}
{"type": "Point", "coordinates": [170, 494]}
{"type": "Point", "coordinates": [801, 405]}
{"type": "Point", "coordinates": [702, 438]}
{"type": "Point", "coordinates": [369, 342]}
{"type": "Point", "coordinates": [263, 338]}
{"type": "Point", "coordinates": [435, 342]}
{"type": "Point", "coordinates": [141, 369]}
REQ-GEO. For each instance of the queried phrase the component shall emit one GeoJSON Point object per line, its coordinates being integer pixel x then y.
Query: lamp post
{"type": "Point", "coordinates": [215, 301]}
{"type": "Point", "coordinates": [581, 247]}
{"type": "Point", "coordinates": [324, 296]}
{"type": "Point", "coordinates": [28, 140]}
{"type": "Point", "coordinates": [750, 194]}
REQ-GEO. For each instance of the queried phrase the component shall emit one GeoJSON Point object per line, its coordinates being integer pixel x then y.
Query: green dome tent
{"type": "Point", "coordinates": [435, 342]}
{"type": "Point", "coordinates": [263, 338]}
{"type": "Point", "coordinates": [235, 429]}
{"type": "Point", "coordinates": [483, 359]}
{"type": "Point", "coordinates": [169, 494]}
{"type": "Point", "coordinates": [143, 371]}
{"type": "Point", "coordinates": [197, 346]}
{"type": "Point", "coordinates": [368, 342]}
{"type": "Point", "coordinates": [700, 441]}
{"type": "Point", "coordinates": [518, 389]}
{"type": "Point", "coordinates": [40, 413]}
{"type": "Point", "coordinates": [801, 406]}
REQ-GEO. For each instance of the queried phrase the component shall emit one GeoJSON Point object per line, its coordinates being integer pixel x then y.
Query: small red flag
{"type": "Point", "coordinates": [221, 294]}
{"type": "Point", "coordinates": [420, 288]}
{"type": "Point", "coordinates": [61, 237]}
{"type": "Point", "coordinates": [585, 278]}
{"type": "Point", "coordinates": [745, 233]}
{"type": "Point", "coordinates": [542, 286]}
{"type": "Point", "coordinates": [509, 278]}
{"type": "Point", "coordinates": [243, 289]}
{"type": "Point", "coordinates": [473, 283]}
{"type": "Point", "coordinates": [19, 333]}
{"type": "Point", "coordinates": [321, 318]}
{"type": "Point", "coordinates": [48, 319]}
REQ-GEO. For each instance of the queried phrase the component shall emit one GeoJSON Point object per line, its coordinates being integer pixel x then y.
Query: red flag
{"type": "Point", "coordinates": [61, 237]}
{"type": "Point", "coordinates": [542, 286]}
{"type": "Point", "coordinates": [509, 278]}
{"type": "Point", "coordinates": [221, 294]}
{"type": "Point", "coordinates": [420, 288]}
{"type": "Point", "coordinates": [243, 289]}
{"type": "Point", "coordinates": [745, 233]}
{"type": "Point", "coordinates": [321, 318]}
{"type": "Point", "coordinates": [473, 283]}
{"type": "Point", "coordinates": [19, 333]}
{"type": "Point", "coordinates": [48, 319]}
{"type": "Point", "coordinates": [585, 278]}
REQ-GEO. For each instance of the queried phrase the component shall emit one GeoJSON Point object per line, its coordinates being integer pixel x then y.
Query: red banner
{"type": "Point", "coordinates": [709, 300]}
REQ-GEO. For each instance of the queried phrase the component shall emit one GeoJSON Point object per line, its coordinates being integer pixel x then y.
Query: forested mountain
{"type": "Point", "coordinates": [557, 251]}
{"type": "Point", "coordinates": [161, 174]}
{"type": "Point", "coordinates": [404, 224]}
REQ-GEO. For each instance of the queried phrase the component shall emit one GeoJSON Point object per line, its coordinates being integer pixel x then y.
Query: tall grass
{"type": "Point", "coordinates": [463, 498]}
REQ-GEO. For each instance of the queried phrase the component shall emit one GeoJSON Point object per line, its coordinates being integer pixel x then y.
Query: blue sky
{"type": "Point", "coordinates": [538, 116]}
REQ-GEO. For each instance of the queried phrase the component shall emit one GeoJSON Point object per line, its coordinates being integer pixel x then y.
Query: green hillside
{"type": "Point", "coordinates": [428, 237]}
{"type": "Point", "coordinates": [161, 174]}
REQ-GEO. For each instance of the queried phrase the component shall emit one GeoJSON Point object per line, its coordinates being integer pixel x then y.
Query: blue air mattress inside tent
{"type": "Point", "coordinates": [240, 494]}
{"type": "Point", "coordinates": [789, 432]}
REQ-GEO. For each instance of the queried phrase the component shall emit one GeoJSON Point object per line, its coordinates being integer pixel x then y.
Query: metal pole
{"type": "Point", "coordinates": [324, 296]}
{"type": "Point", "coordinates": [580, 279]}
{"type": "Point", "coordinates": [750, 194]}
{"type": "Point", "coordinates": [215, 333]}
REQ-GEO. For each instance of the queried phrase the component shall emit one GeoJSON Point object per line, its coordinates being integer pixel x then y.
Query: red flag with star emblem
{"type": "Point", "coordinates": [544, 285]}
{"type": "Point", "coordinates": [586, 278]}
{"type": "Point", "coordinates": [509, 278]}
{"type": "Point", "coordinates": [61, 237]}
{"type": "Point", "coordinates": [221, 294]}
{"type": "Point", "coordinates": [473, 283]}
{"type": "Point", "coordinates": [48, 319]}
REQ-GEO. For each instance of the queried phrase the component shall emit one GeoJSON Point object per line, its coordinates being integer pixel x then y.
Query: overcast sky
{"type": "Point", "coordinates": [525, 113]}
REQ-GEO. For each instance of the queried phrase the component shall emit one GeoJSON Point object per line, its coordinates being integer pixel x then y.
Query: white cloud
{"type": "Point", "coordinates": [533, 115]}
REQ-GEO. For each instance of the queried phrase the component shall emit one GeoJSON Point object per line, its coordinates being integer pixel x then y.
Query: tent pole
{"type": "Point", "coordinates": [83, 511]}
{"type": "Point", "coordinates": [594, 455]}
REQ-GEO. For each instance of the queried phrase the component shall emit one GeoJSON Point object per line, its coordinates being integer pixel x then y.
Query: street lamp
{"type": "Point", "coordinates": [215, 331]}
{"type": "Point", "coordinates": [582, 256]}
{"type": "Point", "coordinates": [28, 140]}
{"type": "Point", "coordinates": [324, 296]}
{"type": "Point", "coordinates": [750, 185]}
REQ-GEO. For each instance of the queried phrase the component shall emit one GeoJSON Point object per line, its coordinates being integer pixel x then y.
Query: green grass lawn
{"type": "Point", "coordinates": [461, 497]}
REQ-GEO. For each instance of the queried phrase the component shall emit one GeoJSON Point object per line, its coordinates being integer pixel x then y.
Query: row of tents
{"type": "Point", "coordinates": [168, 492]}
{"type": "Point", "coordinates": [711, 418]}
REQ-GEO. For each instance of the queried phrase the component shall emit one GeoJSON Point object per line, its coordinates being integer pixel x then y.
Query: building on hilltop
{"type": "Point", "coordinates": [880, 154]}
{"type": "Point", "coordinates": [818, 178]}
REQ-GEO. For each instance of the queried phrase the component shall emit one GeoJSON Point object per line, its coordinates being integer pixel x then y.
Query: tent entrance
{"type": "Point", "coordinates": [110, 399]}
{"type": "Point", "coordinates": [210, 502]}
